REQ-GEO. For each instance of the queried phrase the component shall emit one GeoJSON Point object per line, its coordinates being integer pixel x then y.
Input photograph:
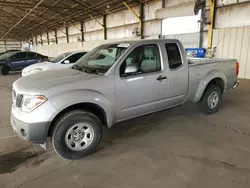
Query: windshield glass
{"type": "Point", "coordinates": [7, 55]}
{"type": "Point", "coordinates": [100, 59]}
{"type": "Point", "coordinates": [60, 57]}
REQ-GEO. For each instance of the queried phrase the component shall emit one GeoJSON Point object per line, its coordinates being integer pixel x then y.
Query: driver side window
{"type": "Point", "coordinates": [19, 56]}
{"type": "Point", "coordinates": [143, 59]}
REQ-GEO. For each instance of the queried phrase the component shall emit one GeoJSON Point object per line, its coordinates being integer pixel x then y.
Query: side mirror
{"type": "Point", "coordinates": [66, 61]}
{"type": "Point", "coordinates": [131, 69]}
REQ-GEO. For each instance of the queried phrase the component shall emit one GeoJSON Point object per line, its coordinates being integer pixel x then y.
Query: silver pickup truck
{"type": "Point", "coordinates": [112, 83]}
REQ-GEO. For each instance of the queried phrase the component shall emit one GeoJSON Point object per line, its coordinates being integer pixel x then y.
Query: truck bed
{"type": "Point", "coordinates": [200, 68]}
{"type": "Point", "coordinates": [202, 61]}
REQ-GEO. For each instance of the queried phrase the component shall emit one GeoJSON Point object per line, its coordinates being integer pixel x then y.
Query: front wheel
{"type": "Point", "coordinates": [76, 134]}
{"type": "Point", "coordinates": [211, 99]}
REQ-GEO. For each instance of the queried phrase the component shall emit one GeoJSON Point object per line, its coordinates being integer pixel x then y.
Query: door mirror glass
{"type": "Point", "coordinates": [66, 61]}
{"type": "Point", "coordinates": [131, 69]}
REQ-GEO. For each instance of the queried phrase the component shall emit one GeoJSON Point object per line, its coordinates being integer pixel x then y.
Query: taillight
{"type": "Point", "coordinates": [237, 68]}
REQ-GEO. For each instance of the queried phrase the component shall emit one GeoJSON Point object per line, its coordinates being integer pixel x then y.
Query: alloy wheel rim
{"type": "Point", "coordinates": [213, 100]}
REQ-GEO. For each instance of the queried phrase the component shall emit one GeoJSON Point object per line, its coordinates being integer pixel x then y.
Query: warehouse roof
{"type": "Point", "coordinates": [21, 19]}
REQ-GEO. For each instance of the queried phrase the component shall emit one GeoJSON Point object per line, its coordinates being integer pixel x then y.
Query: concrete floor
{"type": "Point", "coordinates": [176, 148]}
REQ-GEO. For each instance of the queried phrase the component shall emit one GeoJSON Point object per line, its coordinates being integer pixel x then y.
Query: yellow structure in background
{"type": "Point", "coordinates": [211, 25]}
{"type": "Point", "coordinates": [136, 15]}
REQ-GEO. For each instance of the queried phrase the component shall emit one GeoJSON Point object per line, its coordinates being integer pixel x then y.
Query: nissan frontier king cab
{"type": "Point", "coordinates": [112, 83]}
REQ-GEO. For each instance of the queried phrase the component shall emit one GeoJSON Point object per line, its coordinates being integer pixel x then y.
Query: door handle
{"type": "Point", "coordinates": [160, 78]}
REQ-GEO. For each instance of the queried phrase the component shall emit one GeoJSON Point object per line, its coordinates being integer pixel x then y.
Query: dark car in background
{"type": "Point", "coordinates": [14, 61]}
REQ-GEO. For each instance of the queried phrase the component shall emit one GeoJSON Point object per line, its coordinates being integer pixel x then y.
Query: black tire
{"type": "Point", "coordinates": [4, 70]}
{"type": "Point", "coordinates": [64, 123]}
{"type": "Point", "coordinates": [203, 104]}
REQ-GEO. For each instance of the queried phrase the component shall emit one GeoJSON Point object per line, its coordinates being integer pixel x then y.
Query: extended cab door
{"type": "Point", "coordinates": [141, 81]}
{"type": "Point", "coordinates": [177, 66]}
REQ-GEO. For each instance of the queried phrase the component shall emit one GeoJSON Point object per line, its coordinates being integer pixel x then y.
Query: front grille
{"type": "Point", "coordinates": [17, 99]}
{"type": "Point", "coordinates": [13, 95]}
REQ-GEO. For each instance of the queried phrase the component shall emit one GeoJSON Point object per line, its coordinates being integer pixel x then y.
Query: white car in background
{"type": "Point", "coordinates": [64, 60]}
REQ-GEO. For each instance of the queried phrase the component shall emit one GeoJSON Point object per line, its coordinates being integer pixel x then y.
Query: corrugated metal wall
{"type": "Point", "coordinates": [189, 40]}
{"type": "Point", "coordinates": [234, 43]}
{"type": "Point", "coordinates": [10, 45]}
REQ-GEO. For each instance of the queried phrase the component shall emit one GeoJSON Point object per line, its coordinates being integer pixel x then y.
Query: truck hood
{"type": "Point", "coordinates": [41, 82]}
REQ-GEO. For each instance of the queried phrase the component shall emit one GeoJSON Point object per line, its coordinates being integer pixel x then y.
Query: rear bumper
{"type": "Point", "coordinates": [236, 84]}
{"type": "Point", "coordinates": [34, 132]}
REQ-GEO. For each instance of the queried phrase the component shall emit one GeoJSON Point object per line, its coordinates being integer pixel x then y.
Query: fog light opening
{"type": "Point", "coordinates": [23, 133]}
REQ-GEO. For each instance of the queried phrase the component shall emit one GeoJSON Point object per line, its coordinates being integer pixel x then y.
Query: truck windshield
{"type": "Point", "coordinates": [100, 59]}
{"type": "Point", "coordinates": [60, 57]}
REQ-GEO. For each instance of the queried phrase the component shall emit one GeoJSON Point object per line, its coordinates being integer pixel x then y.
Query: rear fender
{"type": "Point", "coordinates": [206, 80]}
{"type": "Point", "coordinates": [64, 100]}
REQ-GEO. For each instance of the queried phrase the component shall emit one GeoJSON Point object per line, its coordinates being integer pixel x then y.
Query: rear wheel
{"type": "Point", "coordinates": [211, 99]}
{"type": "Point", "coordinates": [4, 70]}
{"type": "Point", "coordinates": [76, 134]}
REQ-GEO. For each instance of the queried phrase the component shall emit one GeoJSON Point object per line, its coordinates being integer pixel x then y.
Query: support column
{"type": "Point", "coordinates": [163, 5]}
{"type": "Point", "coordinates": [32, 41]}
{"type": "Point", "coordinates": [202, 25]}
{"type": "Point", "coordinates": [82, 31]}
{"type": "Point", "coordinates": [67, 34]}
{"type": "Point", "coordinates": [47, 37]}
{"type": "Point", "coordinates": [211, 22]}
{"type": "Point", "coordinates": [139, 17]}
{"type": "Point", "coordinates": [5, 44]}
{"type": "Point", "coordinates": [104, 27]}
{"type": "Point", "coordinates": [56, 37]}
{"type": "Point", "coordinates": [142, 20]}
{"type": "Point", "coordinates": [41, 39]}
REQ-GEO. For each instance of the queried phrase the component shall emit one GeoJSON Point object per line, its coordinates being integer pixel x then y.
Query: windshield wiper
{"type": "Point", "coordinates": [76, 67]}
{"type": "Point", "coordinates": [101, 67]}
{"type": "Point", "coordinates": [85, 69]}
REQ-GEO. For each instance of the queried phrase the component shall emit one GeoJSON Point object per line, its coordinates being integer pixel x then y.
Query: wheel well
{"type": "Point", "coordinates": [6, 65]}
{"type": "Point", "coordinates": [91, 107]}
{"type": "Point", "coordinates": [219, 82]}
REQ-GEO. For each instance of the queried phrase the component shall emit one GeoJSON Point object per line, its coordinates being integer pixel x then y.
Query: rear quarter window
{"type": "Point", "coordinates": [174, 55]}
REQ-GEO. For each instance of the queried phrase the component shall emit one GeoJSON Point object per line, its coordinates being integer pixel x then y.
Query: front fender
{"type": "Point", "coordinates": [206, 80]}
{"type": "Point", "coordinates": [64, 100]}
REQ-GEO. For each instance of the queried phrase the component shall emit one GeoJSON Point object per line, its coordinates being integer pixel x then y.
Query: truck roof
{"type": "Point", "coordinates": [144, 41]}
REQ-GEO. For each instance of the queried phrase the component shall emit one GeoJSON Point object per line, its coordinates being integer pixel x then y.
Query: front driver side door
{"type": "Point", "coordinates": [140, 92]}
{"type": "Point", "coordinates": [18, 61]}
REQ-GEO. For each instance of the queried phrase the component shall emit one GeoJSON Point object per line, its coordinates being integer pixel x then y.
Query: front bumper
{"type": "Point", "coordinates": [34, 132]}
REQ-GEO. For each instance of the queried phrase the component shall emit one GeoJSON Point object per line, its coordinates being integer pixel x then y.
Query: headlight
{"type": "Point", "coordinates": [32, 102]}
{"type": "Point", "coordinates": [30, 71]}
{"type": "Point", "coordinates": [35, 70]}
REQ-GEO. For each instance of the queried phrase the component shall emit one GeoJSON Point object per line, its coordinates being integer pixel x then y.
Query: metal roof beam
{"type": "Point", "coordinates": [70, 18]}
{"type": "Point", "coordinates": [31, 5]}
{"type": "Point", "coordinates": [21, 19]}
{"type": "Point", "coordinates": [88, 6]}
{"type": "Point", "coordinates": [56, 2]}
